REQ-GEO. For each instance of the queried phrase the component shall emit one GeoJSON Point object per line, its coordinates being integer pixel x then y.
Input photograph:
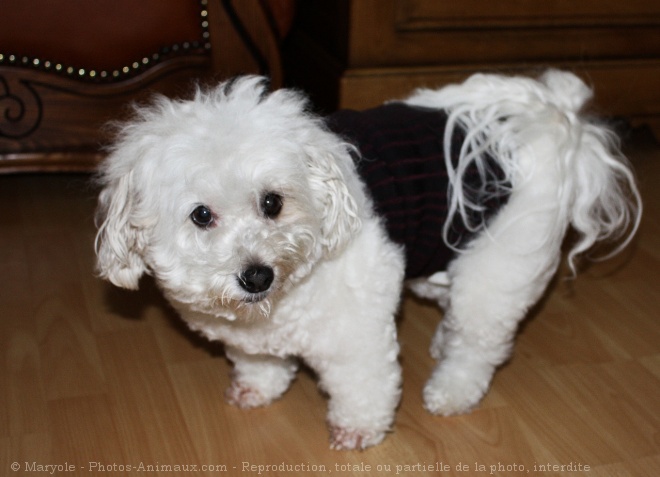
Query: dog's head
{"type": "Point", "coordinates": [227, 199]}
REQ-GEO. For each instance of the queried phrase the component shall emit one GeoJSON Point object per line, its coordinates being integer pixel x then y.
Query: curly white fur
{"type": "Point", "coordinates": [336, 277]}
{"type": "Point", "coordinates": [503, 115]}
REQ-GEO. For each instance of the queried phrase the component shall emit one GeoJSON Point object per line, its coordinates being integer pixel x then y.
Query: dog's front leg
{"type": "Point", "coordinates": [364, 388]}
{"type": "Point", "coordinates": [258, 379]}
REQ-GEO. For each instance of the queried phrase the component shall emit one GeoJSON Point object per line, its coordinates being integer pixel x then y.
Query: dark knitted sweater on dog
{"type": "Point", "coordinates": [402, 162]}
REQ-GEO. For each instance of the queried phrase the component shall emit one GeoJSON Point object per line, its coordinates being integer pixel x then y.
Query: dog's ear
{"type": "Point", "coordinates": [329, 174]}
{"type": "Point", "coordinates": [119, 241]}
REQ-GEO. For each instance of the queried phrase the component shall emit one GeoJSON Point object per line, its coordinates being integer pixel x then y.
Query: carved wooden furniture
{"type": "Point", "coordinates": [357, 53]}
{"type": "Point", "coordinates": [69, 66]}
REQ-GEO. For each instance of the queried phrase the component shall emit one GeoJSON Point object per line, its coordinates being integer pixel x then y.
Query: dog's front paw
{"type": "Point", "coordinates": [352, 439]}
{"type": "Point", "coordinates": [245, 397]}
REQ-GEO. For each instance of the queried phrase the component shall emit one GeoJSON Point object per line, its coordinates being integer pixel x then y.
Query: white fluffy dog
{"type": "Point", "coordinates": [253, 218]}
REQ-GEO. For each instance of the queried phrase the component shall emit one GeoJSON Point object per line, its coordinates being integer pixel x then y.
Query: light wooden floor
{"type": "Point", "coordinates": [97, 377]}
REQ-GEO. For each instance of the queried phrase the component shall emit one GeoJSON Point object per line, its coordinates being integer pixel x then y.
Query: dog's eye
{"type": "Point", "coordinates": [202, 216]}
{"type": "Point", "coordinates": [271, 205]}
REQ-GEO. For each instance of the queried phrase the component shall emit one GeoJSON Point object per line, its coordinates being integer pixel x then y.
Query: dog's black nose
{"type": "Point", "coordinates": [256, 278]}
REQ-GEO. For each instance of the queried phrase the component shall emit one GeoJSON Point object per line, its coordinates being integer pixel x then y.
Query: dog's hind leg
{"type": "Point", "coordinates": [492, 285]}
{"type": "Point", "coordinates": [489, 296]}
{"type": "Point", "coordinates": [560, 169]}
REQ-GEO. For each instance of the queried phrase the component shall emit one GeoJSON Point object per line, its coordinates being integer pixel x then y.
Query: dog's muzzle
{"type": "Point", "coordinates": [256, 279]}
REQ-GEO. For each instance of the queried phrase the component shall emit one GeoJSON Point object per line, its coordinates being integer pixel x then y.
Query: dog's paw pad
{"type": "Point", "coordinates": [245, 397]}
{"type": "Point", "coordinates": [349, 439]}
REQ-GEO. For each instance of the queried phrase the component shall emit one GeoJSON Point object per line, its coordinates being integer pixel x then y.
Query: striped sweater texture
{"type": "Point", "coordinates": [402, 162]}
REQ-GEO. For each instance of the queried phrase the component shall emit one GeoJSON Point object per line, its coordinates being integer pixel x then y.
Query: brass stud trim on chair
{"type": "Point", "coordinates": [118, 74]}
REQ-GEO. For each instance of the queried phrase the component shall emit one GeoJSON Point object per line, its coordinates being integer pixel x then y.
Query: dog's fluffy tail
{"type": "Point", "coordinates": [500, 116]}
